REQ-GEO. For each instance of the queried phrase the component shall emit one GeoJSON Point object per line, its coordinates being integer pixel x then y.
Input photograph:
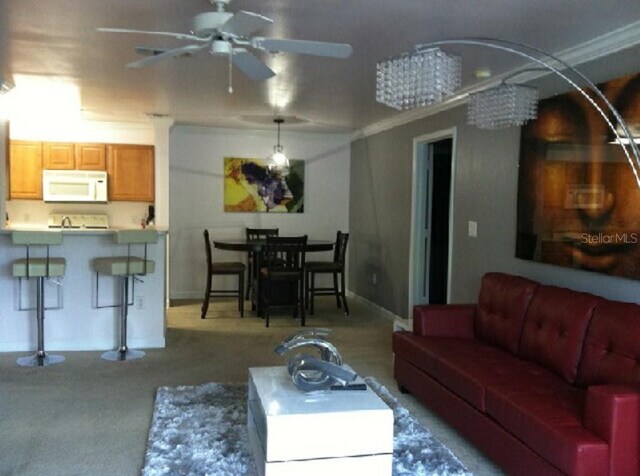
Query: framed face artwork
{"type": "Point", "coordinates": [578, 201]}
{"type": "Point", "coordinates": [249, 187]}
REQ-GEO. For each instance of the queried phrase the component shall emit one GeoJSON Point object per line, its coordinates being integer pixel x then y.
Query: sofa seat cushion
{"type": "Point", "coordinates": [422, 352]}
{"type": "Point", "coordinates": [468, 368]}
{"type": "Point", "coordinates": [502, 305]}
{"type": "Point", "coordinates": [555, 327]}
{"type": "Point", "coordinates": [548, 419]}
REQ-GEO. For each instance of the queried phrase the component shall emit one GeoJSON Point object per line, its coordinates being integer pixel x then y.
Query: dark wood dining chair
{"type": "Point", "coordinates": [255, 234]}
{"type": "Point", "coordinates": [336, 268]}
{"type": "Point", "coordinates": [222, 269]}
{"type": "Point", "coordinates": [282, 275]}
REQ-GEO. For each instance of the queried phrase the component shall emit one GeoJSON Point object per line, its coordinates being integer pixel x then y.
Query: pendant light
{"type": "Point", "coordinates": [278, 162]}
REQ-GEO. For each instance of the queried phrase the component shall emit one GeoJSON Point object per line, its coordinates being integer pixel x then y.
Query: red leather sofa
{"type": "Point", "coordinates": [543, 379]}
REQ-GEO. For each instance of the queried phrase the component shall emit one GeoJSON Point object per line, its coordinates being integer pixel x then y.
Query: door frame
{"type": "Point", "coordinates": [417, 194]}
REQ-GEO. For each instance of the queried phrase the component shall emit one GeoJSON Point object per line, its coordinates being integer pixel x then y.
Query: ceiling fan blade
{"type": "Point", "coordinates": [316, 48]}
{"type": "Point", "coordinates": [250, 65]}
{"type": "Point", "coordinates": [167, 54]}
{"type": "Point", "coordinates": [179, 36]}
{"type": "Point", "coordinates": [244, 23]}
{"type": "Point", "coordinates": [148, 51]}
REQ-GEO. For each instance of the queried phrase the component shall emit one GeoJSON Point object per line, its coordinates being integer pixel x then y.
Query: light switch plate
{"type": "Point", "coordinates": [473, 229]}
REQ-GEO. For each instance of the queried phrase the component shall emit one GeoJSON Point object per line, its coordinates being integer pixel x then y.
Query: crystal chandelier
{"type": "Point", "coordinates": [427, 75]}
{"type": "Point", "coordinates": [419, 78]}
{"type": "Point", "coordinates": [506, 105]}
{"type": "Point", "coordinates": [278, 162]}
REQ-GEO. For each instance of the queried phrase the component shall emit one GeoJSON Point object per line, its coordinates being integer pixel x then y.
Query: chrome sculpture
{"type": "Point", "coordinates": [311, 373]}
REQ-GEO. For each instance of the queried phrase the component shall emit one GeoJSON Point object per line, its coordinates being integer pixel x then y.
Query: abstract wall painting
{"type": "Point", "coordinates": [248, 187]}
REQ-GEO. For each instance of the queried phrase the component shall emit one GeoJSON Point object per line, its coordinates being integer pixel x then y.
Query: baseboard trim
{"type": "Point", "coordinates": [185, 295]}
{"type": "Point", "coordinates": [384, 312]}
{"type": "Point", "coordinates": [177, 296]}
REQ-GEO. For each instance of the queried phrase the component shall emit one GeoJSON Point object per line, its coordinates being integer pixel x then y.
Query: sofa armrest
{"type": "Point", "coordinates": [612, 413]}
{"type": "Point", "coordinates": [452, 320]}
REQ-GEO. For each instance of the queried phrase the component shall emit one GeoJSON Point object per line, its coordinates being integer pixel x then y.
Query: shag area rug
{"type": "Point", "coordinates": [202, 430]}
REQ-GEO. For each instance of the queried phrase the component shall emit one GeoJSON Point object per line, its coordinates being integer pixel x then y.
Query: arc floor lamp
{"type": "Point", "coordinates": [428, 75]}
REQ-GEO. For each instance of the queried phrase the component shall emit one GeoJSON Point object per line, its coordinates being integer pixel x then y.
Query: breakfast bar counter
{"type": "Point", "coordinates": [79, 325]}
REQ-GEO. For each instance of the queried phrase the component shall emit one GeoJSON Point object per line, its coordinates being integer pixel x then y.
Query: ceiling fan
{"type": "Point", "coordinates": [224, 33]}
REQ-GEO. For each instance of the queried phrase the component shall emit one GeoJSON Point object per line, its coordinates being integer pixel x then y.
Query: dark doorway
{"type": "Point", "coordinates": [440, 197]}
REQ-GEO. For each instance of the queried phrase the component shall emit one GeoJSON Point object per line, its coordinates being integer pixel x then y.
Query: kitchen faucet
{"type": "Point", "coordinates": [65, 219]}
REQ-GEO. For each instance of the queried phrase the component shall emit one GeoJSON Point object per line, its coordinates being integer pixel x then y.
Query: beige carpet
{"type": "Point", "coordinates": [87, 416]}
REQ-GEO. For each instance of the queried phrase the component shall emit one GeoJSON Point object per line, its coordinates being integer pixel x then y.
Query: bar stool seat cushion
{"type": "Point", "coordinates": [117, 266]}
{"type": "Point", "coordinates": [38, 267]}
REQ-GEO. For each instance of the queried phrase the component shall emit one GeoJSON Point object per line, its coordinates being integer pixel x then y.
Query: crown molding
{"type": "Point", "coordinates": [591, 50]}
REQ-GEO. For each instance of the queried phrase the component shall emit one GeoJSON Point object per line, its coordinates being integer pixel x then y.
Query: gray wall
{"type": "Point", "coordinates": [485, 190]}
{"type": "Point", "coordinates": [196, 196]}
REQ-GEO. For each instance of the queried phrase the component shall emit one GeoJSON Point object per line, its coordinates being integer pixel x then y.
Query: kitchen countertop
{"type": "Point", "coordinates": [75, 231]}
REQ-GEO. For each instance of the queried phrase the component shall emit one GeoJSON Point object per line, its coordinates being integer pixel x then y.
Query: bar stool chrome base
{"type": "Point", "coordinates": [40, 361]}
{"type": "Point", "coordinates": [120, 356]}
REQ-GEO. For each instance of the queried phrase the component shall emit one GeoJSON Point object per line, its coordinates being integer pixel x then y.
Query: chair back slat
{"type": "Point", "coordinates": [260, 233]}
{"type": "Point", "coordinates": [340, 250]}
{"type": "Point", "coordinates": [285, 252]}
{"type": "Point", "coordinates": [207, 249]}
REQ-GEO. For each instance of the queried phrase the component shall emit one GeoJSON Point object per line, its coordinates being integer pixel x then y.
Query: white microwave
{"type": "Point", "coordinates": [74, 186]}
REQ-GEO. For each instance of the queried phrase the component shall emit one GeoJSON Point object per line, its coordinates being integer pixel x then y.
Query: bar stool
{"type": "Point", "coordinates": [125, 267]}
{"type": "Point", "coordinates": [40, 268]}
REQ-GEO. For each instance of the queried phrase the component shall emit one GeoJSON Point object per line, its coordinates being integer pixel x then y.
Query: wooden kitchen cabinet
{"type": "Point", "coordinates": [131, 172]}
{"type": "Point", "coordinates": [72, 156]}
{"type": "Point", "coordinates": [90, 157]}
{"type": "Point", "coordinates": [58, 156]}
{"type": "Point", "coordinates": [25, 170]}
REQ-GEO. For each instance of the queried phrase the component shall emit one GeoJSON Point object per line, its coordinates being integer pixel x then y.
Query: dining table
{"type": "Point", "coordinates": [255, 247]}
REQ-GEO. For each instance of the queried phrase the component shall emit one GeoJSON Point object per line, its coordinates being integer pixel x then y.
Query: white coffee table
{"type": "Point", "coordinates": [293, 433]}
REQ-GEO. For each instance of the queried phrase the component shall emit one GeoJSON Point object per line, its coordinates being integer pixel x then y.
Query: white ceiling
{"type": "Point", "coordinates": [58, 38]}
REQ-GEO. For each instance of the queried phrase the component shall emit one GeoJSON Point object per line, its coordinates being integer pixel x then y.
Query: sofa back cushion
{"type": "Point", "coordinates": [612, 345]}
{"type": "Point", "coordinates": [502, 305]}
{"type": "Point", "coordinates": [555, 328]}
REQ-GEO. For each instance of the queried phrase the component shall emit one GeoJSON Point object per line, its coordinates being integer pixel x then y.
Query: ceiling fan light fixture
{"type": "Point", "coordinates": [278, 161]}
{"type": "Point", "coordinates": [230, 34]}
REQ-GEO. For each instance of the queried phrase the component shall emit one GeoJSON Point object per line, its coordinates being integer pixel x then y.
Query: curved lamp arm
{"type": "Point", "coordinates": [517, 48]}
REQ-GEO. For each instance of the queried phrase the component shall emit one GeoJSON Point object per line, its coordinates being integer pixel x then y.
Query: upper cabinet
{"type": "Point", "coordinates": [25, 170]}
{"type": "Point", "coordinates": [58, 156]}
{"type": "Point", "coordinates": [130, 168]}
{"type": "Point", "coordinates": [70, 156]}
{"type": "Point", "coordinates": [131, 172]}
{"type": "Point", "coordinates": [90, 156]}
